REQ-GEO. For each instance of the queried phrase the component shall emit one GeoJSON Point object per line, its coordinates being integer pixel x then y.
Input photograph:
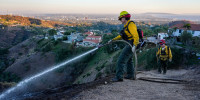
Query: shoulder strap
{"type": "Point", "coordinates": [160, 49]}
{"type": "Point", "coordinates": [128, 25]}
{"type": "Point", "coordinates": [168, 51]}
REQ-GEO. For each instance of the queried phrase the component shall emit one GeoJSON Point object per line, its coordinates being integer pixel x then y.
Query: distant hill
{"type": "Point", "coordinates": [153, 13]}
{"type": "Point", "coordinates": [180, 22]}
{"type": "Point", "coordinates": [27, 21]}
{"type": "Point", "coordinates": [191, 17]}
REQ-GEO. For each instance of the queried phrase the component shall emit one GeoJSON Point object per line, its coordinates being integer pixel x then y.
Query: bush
{"type": "Point", "coordinates": [52, 32]}
{"type": "Point", "coordinates": [9, 77]}
{"type": "Point", "coordinates": [99, 68]}
{"type": "Point", "coordinates": [151, 59]}
{"type": "Point", "coordinates": [88, 74]}
{"type": "Point", "coordinates": [99, 75]}
{"type": "Point", "coordinates": [177, 58]}
{"type": "Point", "coordinates": [65, 38]}
{"type": "Point", "coordinates": [47, 48]}
{"type": "Point", "coordinates": [186, 37]}
{"type": "Point", "coordinates": [147, 60]}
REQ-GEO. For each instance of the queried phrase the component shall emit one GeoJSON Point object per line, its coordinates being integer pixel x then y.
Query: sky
{"type": "Point", "coordinates": [99, 6]}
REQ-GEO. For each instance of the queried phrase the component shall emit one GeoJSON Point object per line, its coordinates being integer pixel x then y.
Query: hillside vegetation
{"type": "Point", "coordinates": [27, 21]}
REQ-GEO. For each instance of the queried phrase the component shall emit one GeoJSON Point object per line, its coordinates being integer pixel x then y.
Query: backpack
{"type": "Point", "coordinates": [167, 49]}
{"type": "Point", "coordinates": [140, 34]}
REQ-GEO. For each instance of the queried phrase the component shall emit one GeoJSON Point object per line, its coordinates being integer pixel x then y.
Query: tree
{"type": "Point", "coordinates": [196, 41]}
{"type": "Point", "coordinates": [186, 37]}
{"type": "Point", "coordinates": [67, 33]}
{"type": "Point", "coordinates": [65, 38]}
{"type": "Point", "coordinates": [187, 26]}
{"type": "Point", "coordinates": [52, 32]}
{"type": "Point", "coordinates": [174, 29]}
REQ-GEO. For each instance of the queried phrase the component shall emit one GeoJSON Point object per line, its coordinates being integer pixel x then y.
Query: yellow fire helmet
{"type": "Point", "coordinates": [124, 14]}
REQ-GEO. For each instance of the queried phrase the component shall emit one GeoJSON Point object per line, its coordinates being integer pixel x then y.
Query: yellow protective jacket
{"type": "Point", "coordinates": [133, 33]}
{"type": "Point", "coordinates": [168, 53]}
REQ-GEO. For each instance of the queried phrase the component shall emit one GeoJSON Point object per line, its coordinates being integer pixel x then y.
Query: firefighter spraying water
{"type": "Point", "coordinates": [130, 35]}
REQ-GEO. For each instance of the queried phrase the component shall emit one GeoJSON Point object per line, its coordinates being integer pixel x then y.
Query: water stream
{"type": "Point", "coordinates": [22, 83]}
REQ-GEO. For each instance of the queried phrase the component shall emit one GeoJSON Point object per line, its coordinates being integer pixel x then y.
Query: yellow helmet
{"type": "Point", "coordinates": [124, 14]}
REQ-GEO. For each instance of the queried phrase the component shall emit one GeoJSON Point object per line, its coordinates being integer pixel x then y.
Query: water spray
{"type": "Point", "coordinates": [20, 84]}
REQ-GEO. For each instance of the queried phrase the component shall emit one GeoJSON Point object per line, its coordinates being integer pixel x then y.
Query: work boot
{"type": "Point", "coordinates": [116, 80]}
{"type": "Point", "coordinates": [130, 78]}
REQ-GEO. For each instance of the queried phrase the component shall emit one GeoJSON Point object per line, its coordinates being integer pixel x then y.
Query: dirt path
{"type": "Point", "coordinates": [144, 90]}
{"type": "Point", "coordinates": [128, 89]}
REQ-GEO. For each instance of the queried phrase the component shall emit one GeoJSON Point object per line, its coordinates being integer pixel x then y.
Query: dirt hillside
{"type": "Point", "coordinates": [104, 89]}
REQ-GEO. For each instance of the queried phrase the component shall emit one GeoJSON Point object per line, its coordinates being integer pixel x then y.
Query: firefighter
{"type": "Point", "coordinates": [129, 34]}
{"type": "Point", "coordinates": [164, 54]}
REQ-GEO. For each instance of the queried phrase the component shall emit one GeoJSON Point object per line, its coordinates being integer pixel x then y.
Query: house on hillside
{"type": "Point", "coordinates": [194, 30]}
{"type": "Point", "coordinates": [109, 33]}
{"type": "Point", "coordinates": [91, 41]}
{"type": "Point", "coordinates": [88, 33]}
{"type": "Point", "coordinates": [75, 37]}
{"type": "Point", "coordinates": [62, 31]}
{"type": "Point", "coordinates": [162, 36]}
{"type": "Point", "coordinates": [58, 36]}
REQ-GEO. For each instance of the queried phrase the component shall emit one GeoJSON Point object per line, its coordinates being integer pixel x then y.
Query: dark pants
{"type": "Point", "coordinates": [125, 59]}
{"type": "Point", "coordinates": [162, 66]}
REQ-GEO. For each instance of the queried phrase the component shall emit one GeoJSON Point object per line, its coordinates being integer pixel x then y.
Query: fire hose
{"type": "Point", "coordinates": [134, 53]}
{"type": "Point", "coordinates": [151, 79]}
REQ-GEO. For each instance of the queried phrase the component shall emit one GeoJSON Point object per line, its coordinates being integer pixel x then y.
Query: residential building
{"type": "Point", "coordinates": [194, 29]}
{"type": "Point", "coordinates": [58, 36]}
{"type": "Point", "coordinates": [75, 37]}
{"type": "Point", "coordinates": [162, 36]}
{"type": "Point", "coordinates": [88, 33]}
{"type": "Point", "coordinates": [92, 41]}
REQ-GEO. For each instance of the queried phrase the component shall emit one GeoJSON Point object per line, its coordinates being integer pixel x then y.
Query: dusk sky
{"type": "Point", "coordinates": [100, 6]}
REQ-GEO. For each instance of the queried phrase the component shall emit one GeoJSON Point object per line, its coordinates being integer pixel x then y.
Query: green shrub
{"type": "Point", "coordinates": [147, 60]}
{"type": "Point", "coordinates": [186, 37]}
{"type": "Point", "coordinates": [98, 68]}
{"type": "Point", "coordinates": [65, 38]}
{"type": "Point", "coordinates": [177, 58]}
{"type": "Point", "coordinates": [84, 76]}
{"type": "Point", "coordinates": [88, 74]}
{"type": "Point", "coordinates": [9, 77]}
{"type": "Point", "coordinates": [47, 48]}
{"type": "Point", "coordinates": [99, 75]}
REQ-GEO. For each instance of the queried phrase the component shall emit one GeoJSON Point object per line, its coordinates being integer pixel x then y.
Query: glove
{"type": "Point", "coordinates": [133, 48]}
{"type": "Point", "coordinates": [109, 41]}
{"type": "Point", "coordinates": [170, 60]}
